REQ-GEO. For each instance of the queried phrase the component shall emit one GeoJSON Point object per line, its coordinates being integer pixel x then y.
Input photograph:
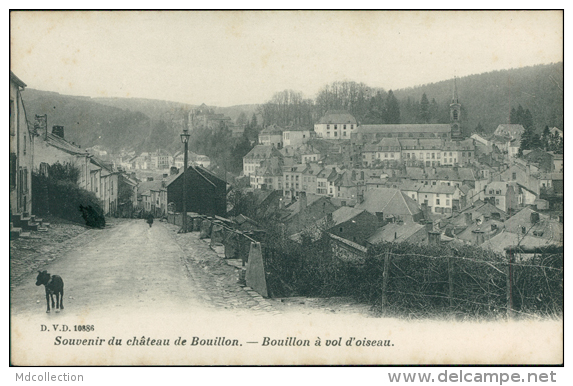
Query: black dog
{"type": "Point", "coordinates": [54, 285]}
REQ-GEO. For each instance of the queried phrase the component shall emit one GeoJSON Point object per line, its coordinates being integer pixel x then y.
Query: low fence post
{"type": "Point", "coordinates": [384, 300]}
{"type": "Point", "coordinates": [451, 280]}
{"type": "Point", "coordinates": [509, 294]}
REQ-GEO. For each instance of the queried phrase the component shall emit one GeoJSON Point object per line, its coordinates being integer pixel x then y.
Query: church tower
{"type": "Point", "coordinates": [455, 114]}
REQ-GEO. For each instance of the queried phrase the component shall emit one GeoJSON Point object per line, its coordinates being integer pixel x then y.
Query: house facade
{"type": "Point", "coordinates": [21, 151]}
{"type": "Point", "coordinates": [335, 124]}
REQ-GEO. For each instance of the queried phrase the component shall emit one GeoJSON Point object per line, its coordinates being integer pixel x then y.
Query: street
{"type": "Point", "coordinates": [133, 266]}
{"type": "Point", "coordinates": [133, 283]}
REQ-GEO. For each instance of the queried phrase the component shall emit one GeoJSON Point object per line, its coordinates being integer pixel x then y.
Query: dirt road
{"type": "Point", "coordinates": [129, 266]}
{"type": "Point", "coordinates": [138, 284]}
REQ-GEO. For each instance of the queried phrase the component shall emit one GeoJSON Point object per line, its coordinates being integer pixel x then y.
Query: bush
{"type": "Point", "coordinates": [419, 278]}
{"type": "Point", "coordinates": [66, 200]}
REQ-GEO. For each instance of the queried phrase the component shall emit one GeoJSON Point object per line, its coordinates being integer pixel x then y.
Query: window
{"type": "Point", "coordinates": [336, 133]}
{"type": "Point", "coordinates": [327, 127]}
{"type": "Point", "coordinates": [514, 176]}
{"type": "Point", "coordinates": [448, 202]}
{"type": "Point", "coordinates": [497, 201]}
{"type": "Point", "coordinates": [335, 127]}
{"type": "Point", "coordinates": [437, 201]}
{"type": "Point", "coordinates": [25, 141]}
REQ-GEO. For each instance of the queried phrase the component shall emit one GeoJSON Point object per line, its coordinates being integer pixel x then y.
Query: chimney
{"type": "Point", "coordinates": [380, 217]}
{"type": "Point", "coordinates": [478, 237]}
{"type": "Point", "coordinates": [429, 225]}
{"type": "Point", "coordinates": [302, 199]}
{"type": "Point", "coordinates": [165, 175]}
{"type": "Point", "coordinates": [329, 219]}
{"type": "Point", "coordinates": [59, 131]}
{"type": "Point", "coordinates": [434, 238]}
{"type": "Point", "coordinates": [534, 217]}
{"type": "Point", "coordinates": [468, 217]}
{"type": "Point", "coordinates": [173, 170]}
{"type": "Point", "coordinates": [41, 125]}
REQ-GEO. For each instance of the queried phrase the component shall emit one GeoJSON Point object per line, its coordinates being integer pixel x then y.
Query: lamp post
{"type": "Point", "coordinates": [185, 139]}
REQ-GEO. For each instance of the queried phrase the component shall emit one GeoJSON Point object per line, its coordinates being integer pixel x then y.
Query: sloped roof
{"type": "Point", "coordinates": [62, 144]}
{"type": "Point", "coordinates": [337, 116]}
{"type": "Point", "coordinates": [389, 201]}
{"type": "Point", "coordinates": [395, 232]}
{"type": "Point", "coordinates": [404, 128]}
{"type": "Point", "coordinates": [499, 242]}
{"type": "Point", "coordinates": [263, 152]}
{"type": "Point", "coordinates": [272, 129]}
{"type": "Point", "coordinates": [513, 130]}
{"type": "Point", "coordinates": [439, 189]}
{"type": "Point", "coordinates": [16, 80]}
{"type": "Point", "coordinates": [552, 229]}
{"type": "Point", "coordinates": [345, 213]}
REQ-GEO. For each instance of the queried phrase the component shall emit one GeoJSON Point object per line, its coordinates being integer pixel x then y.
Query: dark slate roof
{"type": "Point", "coordinates": [62, 144]}
{"type": "Point", "coordinates": [395, 232]}
{"type": "Point", "coordinates": [337, 116]}
{"type": "Point", "coordinates": [388, 201]}
{"type": "Point", "coordinates": [16, 80]}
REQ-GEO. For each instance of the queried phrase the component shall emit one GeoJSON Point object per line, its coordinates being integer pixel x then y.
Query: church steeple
{"type": "Point", "coordinates": [455, 113]}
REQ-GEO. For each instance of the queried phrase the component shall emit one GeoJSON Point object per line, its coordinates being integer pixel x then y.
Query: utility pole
{"type": "Point", "coordinates": [185, 139]}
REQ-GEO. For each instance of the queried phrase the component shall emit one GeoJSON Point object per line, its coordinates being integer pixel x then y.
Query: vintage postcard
{"type": "Point", "coordinates": [286, 188]}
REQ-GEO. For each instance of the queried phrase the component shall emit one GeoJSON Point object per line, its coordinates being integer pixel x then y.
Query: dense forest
{"type": "Point", "coordinates": [146, 125]}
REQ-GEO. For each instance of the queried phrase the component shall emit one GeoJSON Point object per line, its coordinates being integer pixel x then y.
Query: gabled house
{"type": "Point", "coordinates": [503, 195]}
{"type": "Point", "coordinates": [391, 203]}
{"type": "Point", "coordinates": [206, 193]}
{"type": "Point", "coordinates": [347, 223]}
{"type": "Point", "coordinates": [52, 148]}
{"type": "Point", "coordinates": [258, 154]}
{"type": "Point", "coordinates": [271, 135]}
{"type": "Point", "coordinates": [335, 124]}
{"type": "Point", "coordinates": [306, 210]}
{"type": "Point", "coordinates": [401, 232]}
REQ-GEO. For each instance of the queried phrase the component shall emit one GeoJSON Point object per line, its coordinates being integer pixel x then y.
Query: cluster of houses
{"type": "Point", "coordinates": [35, 148]}
{"type": "Point", "coordinates": [159, 160]}
{"type": "Point", "coordinates": [362, 184]}
{"type": "Point", "coordinates": [418, 183]}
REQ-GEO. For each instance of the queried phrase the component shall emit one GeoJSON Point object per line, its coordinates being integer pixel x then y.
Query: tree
{"type": "Point", "coordinates": [254, 123]}
{"type": "Point", "coordinates": [546, 138]}
{"type": "Point", "coordinates": [392, 109]}
{"type": "Point", "coordinates": [529, 140]}
{"type": "Point", "coordinates": [242, 119]}
{"type": "Point", "coordinates": [527, 120]}
{"type": "Point", "coordinates": [424, 109]}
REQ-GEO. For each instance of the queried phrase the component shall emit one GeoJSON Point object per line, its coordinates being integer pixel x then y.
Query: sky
{"type": "Point", "coordinates": [230, 58]}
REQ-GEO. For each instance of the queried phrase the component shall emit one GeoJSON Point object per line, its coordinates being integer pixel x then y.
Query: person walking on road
{"type": "Point", "coordinates": [150, 219]}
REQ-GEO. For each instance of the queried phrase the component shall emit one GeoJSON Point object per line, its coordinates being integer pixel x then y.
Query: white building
{"type": "Point", "coordinates": [335, 124]}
